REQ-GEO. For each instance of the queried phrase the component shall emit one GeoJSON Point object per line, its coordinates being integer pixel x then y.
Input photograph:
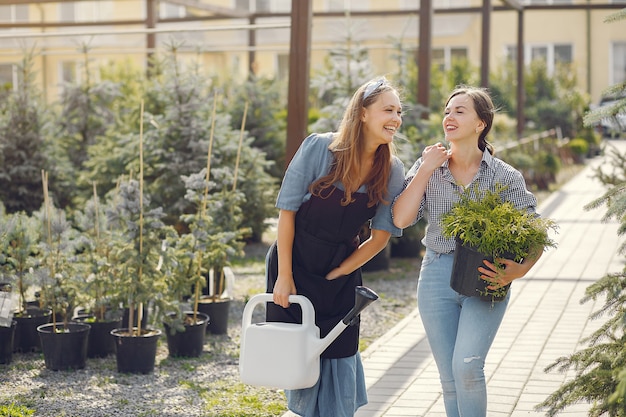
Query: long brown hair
{"type": "Point", "coordinates": [483, 105]}
{"type": "Point", "coordinates": [348, 147]}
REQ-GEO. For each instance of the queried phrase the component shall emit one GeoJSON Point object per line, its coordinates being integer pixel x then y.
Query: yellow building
{"type": "Point", "coordinates": [219, 34]}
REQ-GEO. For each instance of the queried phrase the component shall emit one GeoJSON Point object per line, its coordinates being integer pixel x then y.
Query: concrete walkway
{"type": "Point", "coordinates": [544, 321]}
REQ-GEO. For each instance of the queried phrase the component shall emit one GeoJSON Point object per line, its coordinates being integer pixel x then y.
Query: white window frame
{"type": "Point", "coordinates": [13, 13]}
{"type": "Point", "coordinates": [550, 55]}
{"type": "Point", "coordinates": [447, 55]}
{"type": "Point", "coordinates": [165, 8]}
{"type": "Point", "coordinates": [275, 6]}
{"type": "Point", "coordinates": [76, 70]}
{"type": "Point", "coordinates": [336, 5]}
{"type": "Point", "coordinates": [551, 62]}
{"type": "Point", "coordinates": [282, 66]}
{"type": "Point", "coordinates": [14, 78]}
{"type": "Point", "coordinates": [87, 11]}
{"type": "Point", "coordinates": [65, 7]}
{"type": "Point", "coordinates": [441, 4]}
{"type": "Point", "coordinates": [614, 76]}
{"type": "Point", "coordinates": [546, 2]}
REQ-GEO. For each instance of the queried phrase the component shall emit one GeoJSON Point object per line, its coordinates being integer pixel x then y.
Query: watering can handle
{"type": "Point", "coordinates": [308, 312]}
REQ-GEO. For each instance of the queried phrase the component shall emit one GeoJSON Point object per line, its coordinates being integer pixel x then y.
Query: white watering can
{"type": "Point", "coordinates": [287, 355]}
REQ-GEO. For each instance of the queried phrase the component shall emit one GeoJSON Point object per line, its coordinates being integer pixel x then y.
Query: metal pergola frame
{"type": "Point", "coordinates": [300, 41]}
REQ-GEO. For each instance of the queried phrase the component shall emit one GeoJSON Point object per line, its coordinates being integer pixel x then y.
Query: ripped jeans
{"type": "Point", "coordinates": [460, 331]}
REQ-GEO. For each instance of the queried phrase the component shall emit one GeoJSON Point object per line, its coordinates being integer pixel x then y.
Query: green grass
{"type": "Point", "coordinates": [15, 410]}
{"type": "Point", "coordinates": [242, 400]}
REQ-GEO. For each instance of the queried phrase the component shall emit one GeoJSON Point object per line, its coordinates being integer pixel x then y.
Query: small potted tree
{"type": "Point", "coordinates": [141, 262]}
{"type": "Point", "coordinates": [18, 261]}
{"type": "Point", "coordinates": [98, 296]}
{"type": "Point", "coordinates": [486, 227]}
{"type": "Point", "coordinates": [226, 244]}
{"type": "Point", "coordinates": [64, 343]}
{"type": "Point", "coordinates": [205, 246]}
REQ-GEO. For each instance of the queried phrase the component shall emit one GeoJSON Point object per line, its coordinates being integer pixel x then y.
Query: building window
{"type": "Point", "coordinates": [171, 11]}
{"type": "Point", "coordinates": [336, 5]}
{"type": "Point", "coordinates": [264, 6]}
{"type": "Point", "coordinates": [8, 77]}
{"type": "Point", "coordinates": [563, 54]}
{"type": "Point", "coordinates": [619, 63]}
{"type": "Point", "coordinates": [14, 13]}
{"type": "Point", "coordinates": [441, 4]}
{"type": "Point", "coordinates": [69, 72]}
{"type": "Point", "coordinates": [546, 2]}
{"type": "Point", "coordinates": [552, 54]}
{"type": "Point", "coordinates": [283, 66]}
{"type": "Point", "coordinates": [86, 11]}
{"type": "Point", "coordinates": [443, 57]}
{"type": "Point", "coordinates": [67, 12]}
{"type": "Point", "coordinates": [242, 5]}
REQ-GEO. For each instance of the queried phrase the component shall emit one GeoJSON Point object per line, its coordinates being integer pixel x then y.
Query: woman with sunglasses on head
{"type": "Point", "coordinates": [460, 329]}
{"type": "Point", "coordinates": [335, 183]}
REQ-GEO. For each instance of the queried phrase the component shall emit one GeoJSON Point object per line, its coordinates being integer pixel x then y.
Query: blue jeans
{"type": "Point", "coordinates": [460, 331]}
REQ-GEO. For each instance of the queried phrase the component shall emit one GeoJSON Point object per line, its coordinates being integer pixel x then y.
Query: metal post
{"type": "Point", "coordinates": [151, 19]}
{"type": "Point", "coordinates": [484, 54]}
{"type": "Point", "coordinates": [521, 95]}
{"type": "Point", "coordinates": [299, 64]}
{"type": "Point", "coordinates": [424, 54]}
{"type": "Point", "coordinates": [252, 52]}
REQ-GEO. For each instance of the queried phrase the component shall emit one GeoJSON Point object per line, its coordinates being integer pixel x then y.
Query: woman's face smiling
{"type": "Point", "coordinates": [460, 120]}
{"type": "Point", "coordinates": [382, 118]}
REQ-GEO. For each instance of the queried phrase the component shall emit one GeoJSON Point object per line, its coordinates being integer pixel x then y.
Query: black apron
{"type": "Point", "coordinates": [326, 234]}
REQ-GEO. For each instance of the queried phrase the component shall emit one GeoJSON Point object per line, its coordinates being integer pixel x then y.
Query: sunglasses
{"type": "Point", "coordinates": [373, 86]}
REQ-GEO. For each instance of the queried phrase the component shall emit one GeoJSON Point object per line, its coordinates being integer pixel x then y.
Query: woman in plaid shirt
{"type": "Point", "coordinates": [460, 329]}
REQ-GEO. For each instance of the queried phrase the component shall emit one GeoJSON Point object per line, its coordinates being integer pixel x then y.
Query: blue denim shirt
{"type": "Point", "coordinates": [312, 161]}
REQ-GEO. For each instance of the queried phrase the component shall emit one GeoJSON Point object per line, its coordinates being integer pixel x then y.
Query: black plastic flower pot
{"type": "Point", "coordinates": [189, 342]}
{"type": "Point", "coordinates": [101, 343]}
{"type": "Point", "coordinates": [65, 348]}
{"type": "Point", "coordinates": [7, 336]}
{"type": "Point", "coordinates": [26, 335]}
{"type": "Point", "coordinates": [217, 310]}
{"type": "Point", "coordinates": [136, 354]}
{"type": "Point", "coordinates": [465, 278]}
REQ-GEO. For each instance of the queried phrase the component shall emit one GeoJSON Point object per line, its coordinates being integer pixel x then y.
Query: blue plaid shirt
{"type": "Point", "coordinates": [442, 192]}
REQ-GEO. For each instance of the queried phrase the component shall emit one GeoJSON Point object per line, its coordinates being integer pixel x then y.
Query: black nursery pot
{"type": "Point", "coordinates": [66, 348]}
{"type": "Point", "coordinates": [101, 343]}
{"type": "Point", "coordinates": [190, 342]}
{"type": "Point", "coordinates": [136, 354]}
{"type": "Point", "coordinates": [465, 278]}
{"type": "Point", "coordinates": [26, 336]}
{"type": "Point", "coordinates": [218, 311]}
{"type": "Point", "coordinates": [7, 335]}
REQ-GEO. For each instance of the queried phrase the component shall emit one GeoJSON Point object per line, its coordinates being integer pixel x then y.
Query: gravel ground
{"type": "Point", "coordinates": [204, 386]}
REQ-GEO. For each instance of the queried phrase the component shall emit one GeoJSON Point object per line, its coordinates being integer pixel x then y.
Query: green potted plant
{"type": "Point", "coordinates": [141, 262]}
{"type": "Point", "coordinates": [486, 227]}
{"type": "Point", "coordinates": [18, 261]}
{"type": "Point", "coordinates": [98, 296]}
{"type": "Point", "coordinates": [214, 239]}
{"type": "Point", "coordinates": [64, 343]}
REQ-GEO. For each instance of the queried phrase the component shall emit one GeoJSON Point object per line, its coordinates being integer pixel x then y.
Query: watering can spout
{"type": "Point", "coordinates": [362, 298]}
